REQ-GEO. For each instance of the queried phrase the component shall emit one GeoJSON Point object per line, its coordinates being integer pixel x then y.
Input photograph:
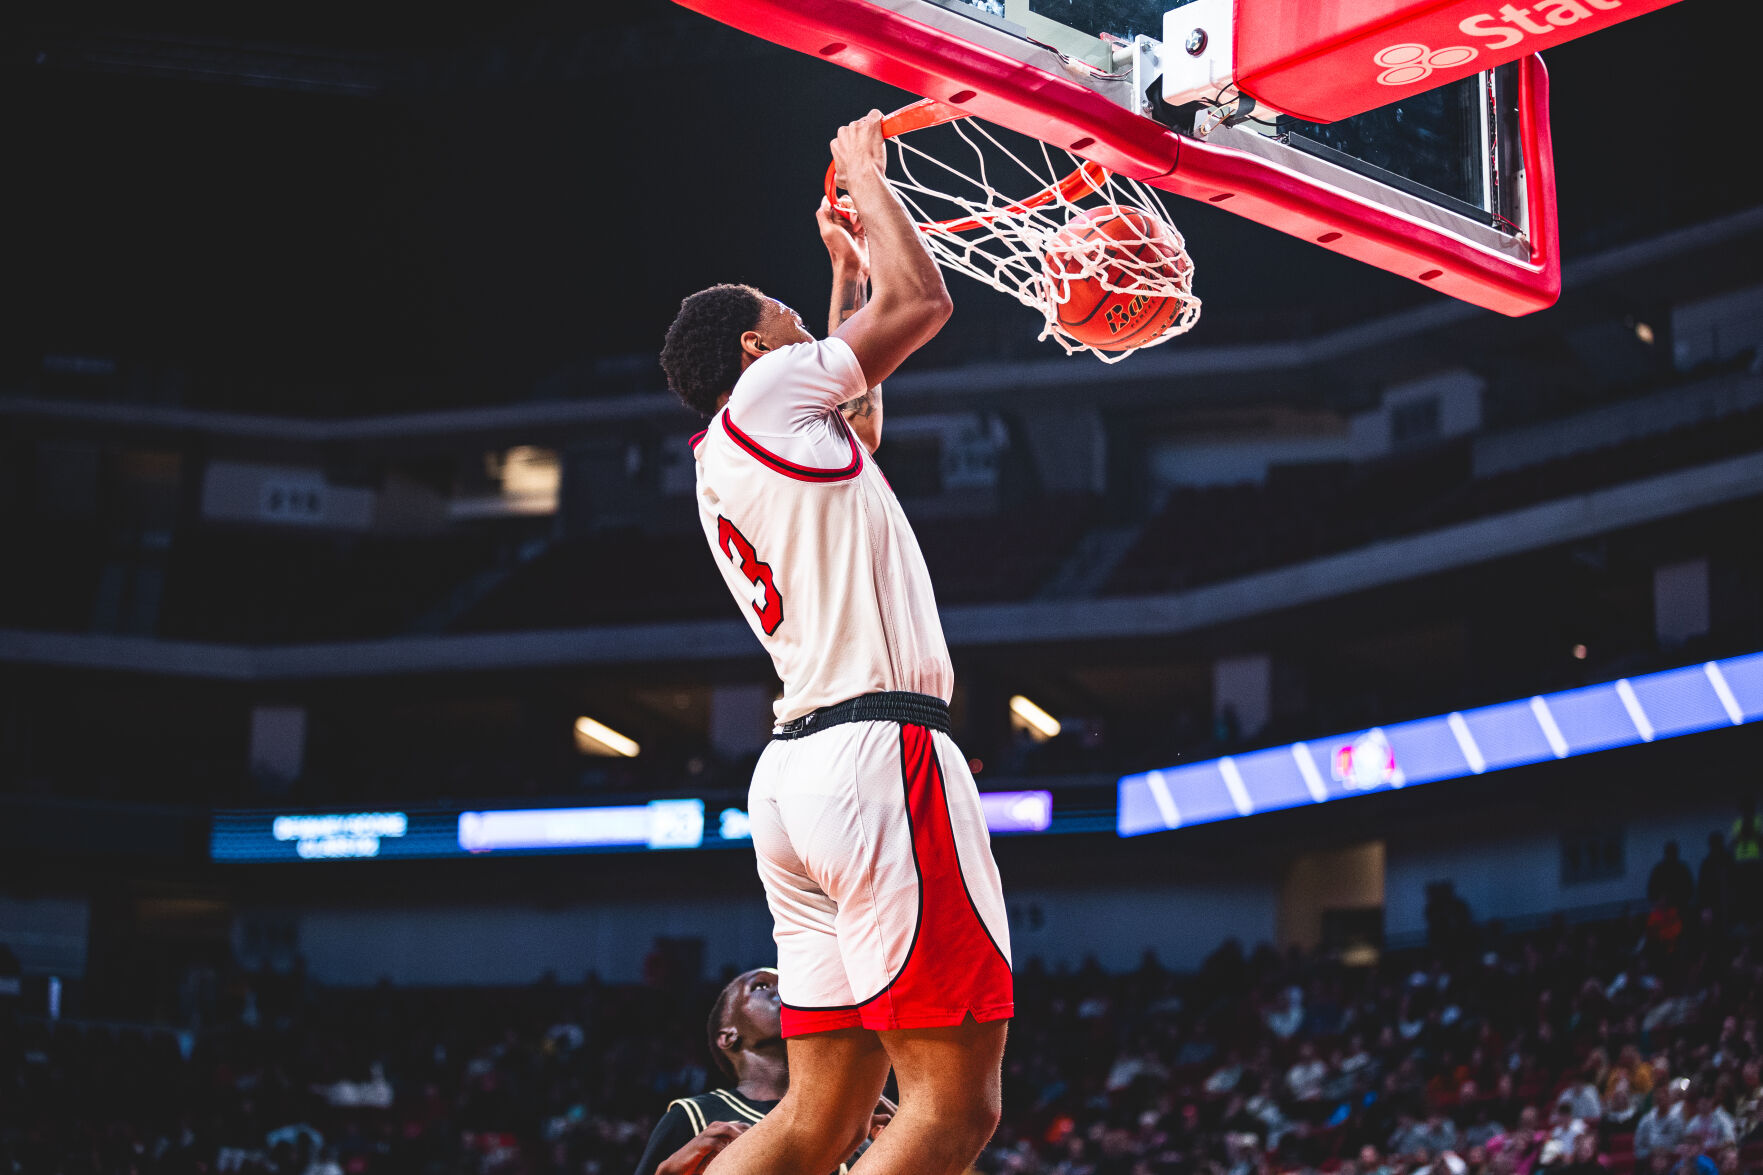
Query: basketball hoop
{"type": "Point", "coordinates": [1091, 251]}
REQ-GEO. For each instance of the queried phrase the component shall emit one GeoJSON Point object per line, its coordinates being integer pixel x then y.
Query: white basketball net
{"type": "Point", "coordinates": [1009, 249]}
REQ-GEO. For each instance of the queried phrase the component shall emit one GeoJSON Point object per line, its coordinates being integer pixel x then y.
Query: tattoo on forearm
{"type": "Point", "coordinates": [850, 297]}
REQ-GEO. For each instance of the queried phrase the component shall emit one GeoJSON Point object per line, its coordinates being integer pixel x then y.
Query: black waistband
{"type": "Point", "coordinates": [894, 706]}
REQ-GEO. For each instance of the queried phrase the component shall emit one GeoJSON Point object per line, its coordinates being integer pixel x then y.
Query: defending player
{"type": "Point", "coordinates": [746, 1038]}
{"type": "Point", "coordinates": [888, 915]}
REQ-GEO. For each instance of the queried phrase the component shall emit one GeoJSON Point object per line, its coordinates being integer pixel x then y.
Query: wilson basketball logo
{"type": "Point", "coordinates": [1405, 64]}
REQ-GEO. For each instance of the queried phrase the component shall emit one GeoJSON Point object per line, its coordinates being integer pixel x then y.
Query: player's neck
{"type": "Point", "coordinates": [765, 1075]}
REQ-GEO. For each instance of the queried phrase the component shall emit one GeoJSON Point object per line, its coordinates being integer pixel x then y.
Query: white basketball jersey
{"type": "Point", "coordinates": [812, 541]}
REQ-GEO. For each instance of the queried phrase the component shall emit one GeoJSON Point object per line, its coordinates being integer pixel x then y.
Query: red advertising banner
{"type": "Point", "coordinates": [1323, 62]}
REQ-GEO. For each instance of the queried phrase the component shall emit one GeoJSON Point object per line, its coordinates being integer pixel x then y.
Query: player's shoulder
{"type": "Point", "coordinates": [718, 1105]}
{"type": "Point", "coordinates": [817, 360]}
{"type": "Point", "coordinates": [830, 351]}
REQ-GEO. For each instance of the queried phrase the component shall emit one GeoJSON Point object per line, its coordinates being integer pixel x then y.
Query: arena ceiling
{"type": "Point", "coordinates": [333, 210]}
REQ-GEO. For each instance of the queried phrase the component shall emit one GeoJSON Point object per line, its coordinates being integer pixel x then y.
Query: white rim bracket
{"type": "Point", "coordinates": [1199, 51]}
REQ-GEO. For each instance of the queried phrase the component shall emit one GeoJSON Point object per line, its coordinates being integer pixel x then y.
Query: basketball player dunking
{"type": "Point", "coordinates": [888, 915]}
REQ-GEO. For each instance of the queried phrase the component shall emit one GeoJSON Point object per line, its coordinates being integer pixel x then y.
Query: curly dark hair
{"type": "Point", "coordinates": [702, 354]}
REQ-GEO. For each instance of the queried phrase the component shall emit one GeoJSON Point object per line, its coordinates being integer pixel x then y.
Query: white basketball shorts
{"type": "Point", "coordinates": [878, 868]}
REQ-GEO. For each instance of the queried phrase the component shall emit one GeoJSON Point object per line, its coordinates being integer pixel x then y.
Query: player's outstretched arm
{"type": "Point", "coordinates": [694, 1156]}
{"type": "Point", "coordinates": [908, 302]}
{"type": "Point", "coordinates": [841, 229]}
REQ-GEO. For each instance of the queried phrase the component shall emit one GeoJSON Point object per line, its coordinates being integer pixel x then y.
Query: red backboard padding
{"type": "Point", "coordinates": [1323, 62]}
{"type": "Point", "coordinates": [886, 46]}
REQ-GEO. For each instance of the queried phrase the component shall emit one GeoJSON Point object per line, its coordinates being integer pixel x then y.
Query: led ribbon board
{"type": "Point", "coordinates": [660, 824]}
{"type": "Point", "coordinates": [674, 824]}
{"type": "Point", "coordinates": [1612, 714]}
{"type": "Point", "coordinates": [328, 836]}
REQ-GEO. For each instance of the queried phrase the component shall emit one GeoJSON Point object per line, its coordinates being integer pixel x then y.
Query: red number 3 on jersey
{"type": "Point", "coordinates": [767, 604]}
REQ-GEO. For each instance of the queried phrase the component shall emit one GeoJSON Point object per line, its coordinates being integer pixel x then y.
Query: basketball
{"type": "Point", "coordinates": [1098, 253]}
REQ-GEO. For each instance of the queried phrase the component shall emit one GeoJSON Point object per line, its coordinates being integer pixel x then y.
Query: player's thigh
{"type": "Point", "coordinates": [835, 1078]}
{"type": "Point", "coordinates": [841, 814]}
{"type": "Point", "coordinates": [954, 1071]}
{"type": "Point", "coordinates": [810, 960]}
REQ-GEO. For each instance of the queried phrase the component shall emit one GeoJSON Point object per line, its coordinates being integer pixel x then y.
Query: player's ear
{"type": "Point", "coordinates": [752, 345]}
{"type": "Point", "coordinates": [728, 1039]}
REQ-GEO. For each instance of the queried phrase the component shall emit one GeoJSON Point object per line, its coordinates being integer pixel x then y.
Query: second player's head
{"type": "Point", "coordinates": [747, 1016]}
{"type": "Point", "coordinates": [717, 334]}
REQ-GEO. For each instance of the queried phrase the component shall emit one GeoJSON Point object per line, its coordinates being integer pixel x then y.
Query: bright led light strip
{"type": "Point", "coordinates": [1616, 713]}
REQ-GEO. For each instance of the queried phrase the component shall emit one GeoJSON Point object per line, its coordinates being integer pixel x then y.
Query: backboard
{"type": "Point", "coordinates": [1452, 187]}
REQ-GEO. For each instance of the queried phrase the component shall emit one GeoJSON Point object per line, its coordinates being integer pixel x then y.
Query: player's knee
{"type": "Point", "coordinates": [972, 1119]}
{"type": "Point", "coordinates": [983, 1116]}
{"type": "Point", "coordinates": [831, 1130]}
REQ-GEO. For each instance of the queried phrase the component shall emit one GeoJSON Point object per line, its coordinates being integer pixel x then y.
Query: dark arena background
{"type": "Point", "coordinates": [375, 729]}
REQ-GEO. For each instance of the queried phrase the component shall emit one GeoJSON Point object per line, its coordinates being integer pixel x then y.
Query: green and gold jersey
{"type": "Point", "coordinates": [687, 1117]}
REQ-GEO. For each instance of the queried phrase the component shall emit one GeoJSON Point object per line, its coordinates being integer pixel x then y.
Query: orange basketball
{"type": "Point", "coordinates": [1138, 249]}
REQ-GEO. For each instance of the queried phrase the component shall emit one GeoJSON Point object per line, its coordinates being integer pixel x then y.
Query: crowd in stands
{"type": "Point", "coordinates": [1597, 1048]}
{"type": "Point", "coordinates": [1616, 1046]}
